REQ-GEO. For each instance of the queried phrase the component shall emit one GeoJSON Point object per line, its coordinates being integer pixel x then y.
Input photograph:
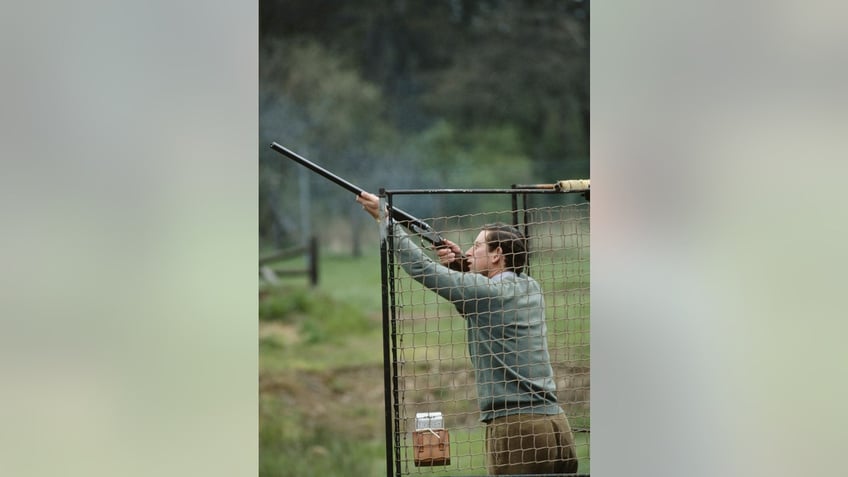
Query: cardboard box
{"type": "Point", "coordinates": [432, 447]}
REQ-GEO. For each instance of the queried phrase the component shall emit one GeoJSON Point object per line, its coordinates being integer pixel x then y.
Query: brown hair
{"type": "Point", "coordinates": [512, 242]}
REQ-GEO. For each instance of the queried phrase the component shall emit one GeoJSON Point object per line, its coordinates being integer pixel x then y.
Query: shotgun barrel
{"type": "Point", "coordinates": [408, 220]}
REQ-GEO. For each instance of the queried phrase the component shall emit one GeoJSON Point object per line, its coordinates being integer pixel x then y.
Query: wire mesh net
{"type": "Point", "coordinates": [436, 365]}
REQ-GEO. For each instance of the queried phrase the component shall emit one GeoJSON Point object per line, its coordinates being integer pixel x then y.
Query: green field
{"type": "Point", "coordinates": [321, 371]}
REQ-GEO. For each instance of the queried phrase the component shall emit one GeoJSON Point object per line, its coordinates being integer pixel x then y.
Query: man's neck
{"type": "Point", "coordinates": [498, 273]}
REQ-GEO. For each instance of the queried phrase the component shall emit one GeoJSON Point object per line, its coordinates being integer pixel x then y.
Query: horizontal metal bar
{"type": "Point", "coordinates": [467, 191]}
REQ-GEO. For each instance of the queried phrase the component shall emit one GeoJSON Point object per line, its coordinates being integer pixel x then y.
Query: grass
{"type": "Point", "coordinates": [336, 324]}
{"type": "Point", "coordinates": [291, 445]}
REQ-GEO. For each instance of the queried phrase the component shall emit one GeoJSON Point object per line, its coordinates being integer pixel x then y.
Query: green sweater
{"type": "Point", "coordinates": [505, 319]}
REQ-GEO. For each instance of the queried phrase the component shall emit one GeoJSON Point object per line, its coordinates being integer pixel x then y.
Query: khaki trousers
{"type": "Point", "coordinates": [530, 444]}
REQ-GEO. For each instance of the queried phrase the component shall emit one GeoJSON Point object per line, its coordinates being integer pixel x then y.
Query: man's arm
{"type": "Point", "coordinates": [458, 288]}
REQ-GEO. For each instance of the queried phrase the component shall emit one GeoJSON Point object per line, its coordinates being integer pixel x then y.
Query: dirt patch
{"type": "Point", "coordinates": [346, 400]}
{"type": "Point", "coordinates": [284, 333]}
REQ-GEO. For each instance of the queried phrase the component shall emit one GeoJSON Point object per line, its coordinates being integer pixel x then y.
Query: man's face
{"type": "Point", "coordinates": [480, 260]}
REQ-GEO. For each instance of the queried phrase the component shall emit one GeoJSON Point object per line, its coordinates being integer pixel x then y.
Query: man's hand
{"type": "Point", "coordinates": [370, 203]}
{"type": "Point", "coordinates": [451, 256]}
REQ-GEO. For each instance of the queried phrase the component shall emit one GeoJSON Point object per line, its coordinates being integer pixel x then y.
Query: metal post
{"type": "Point", "coordinates": [390, 372]}
{"type": "Point", "coordinates": [313, 261]}
{"type": "Point", "coordinates": [387, 377]}
{"type": "Point", "coordinates": [394, 370]}
{"type": "Point", "coordinates": [305, 206]}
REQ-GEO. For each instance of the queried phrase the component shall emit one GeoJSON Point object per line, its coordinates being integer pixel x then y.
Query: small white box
{"type": "Point", "coordinates": [429, 420]}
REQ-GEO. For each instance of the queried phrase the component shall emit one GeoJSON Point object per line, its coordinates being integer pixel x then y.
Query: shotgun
{"type": "Point", "coordinates": [416, 225]}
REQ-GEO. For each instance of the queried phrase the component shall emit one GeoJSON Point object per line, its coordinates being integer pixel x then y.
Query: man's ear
{"type": "Point", "coordinates": [498, 254]}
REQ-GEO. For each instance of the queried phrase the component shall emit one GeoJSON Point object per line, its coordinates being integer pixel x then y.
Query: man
{"type": "Point", "coordinates": [526, 429]}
